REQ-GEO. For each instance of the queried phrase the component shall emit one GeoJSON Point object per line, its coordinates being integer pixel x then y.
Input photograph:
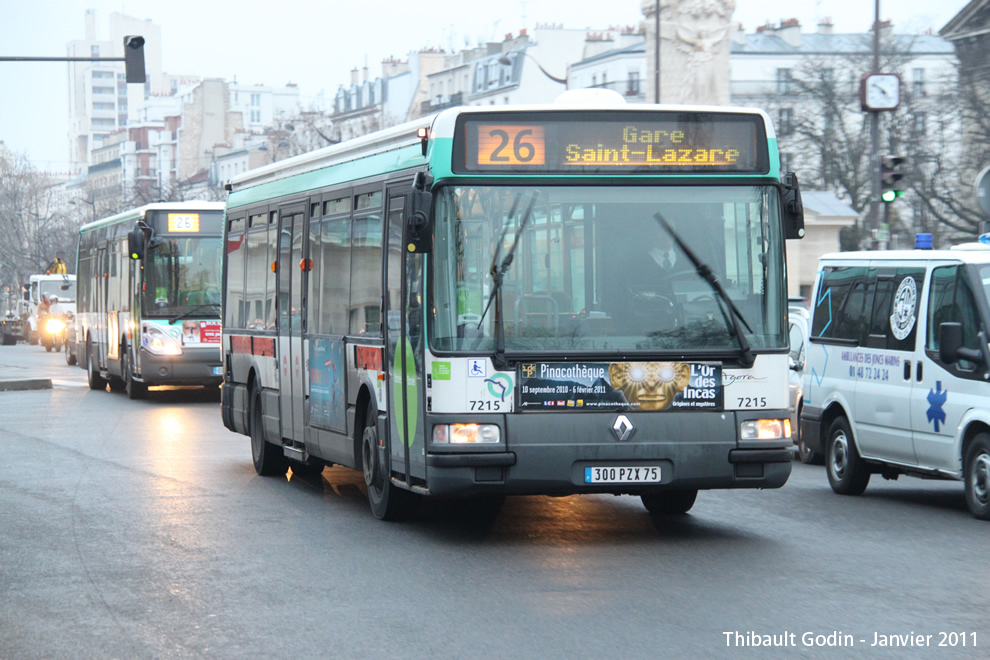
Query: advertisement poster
{"type": "Point", "coordinates": [327, 370]}
{"type": "Point", "coordinates": [636, 386]}
{"type": "Point", "coordinates": [200, 332]}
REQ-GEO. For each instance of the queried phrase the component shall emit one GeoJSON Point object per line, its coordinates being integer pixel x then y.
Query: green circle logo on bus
{"type": "Point", "coordinates": [412, 391]}
{"type": "Point", "coordinates": [499, 386]}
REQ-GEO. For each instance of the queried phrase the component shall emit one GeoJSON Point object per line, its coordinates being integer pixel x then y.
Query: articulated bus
{"type": "Point", "coordinates": [148, 310]}
{"type": "Point", "coordinates": [560, 299]}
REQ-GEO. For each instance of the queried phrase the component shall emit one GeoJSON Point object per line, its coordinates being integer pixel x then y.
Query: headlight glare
{"type": "Point", "coordinates": [156, 341]}
{"type": "Point", "coordinates": [458, 434]}
{"type": "Point", "coordinates": [765, 429]}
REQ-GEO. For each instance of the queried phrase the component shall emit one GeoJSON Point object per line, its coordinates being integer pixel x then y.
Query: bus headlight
{"type": "Point", "coordinates": [157, 342]}
{"type": "Point", "coordinates": [457, 434]}
{"type": "Point", "coordinates": [765, 429]}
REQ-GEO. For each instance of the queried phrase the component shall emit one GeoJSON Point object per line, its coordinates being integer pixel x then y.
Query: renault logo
{"type": "Point", "coordinates": [623, 428]}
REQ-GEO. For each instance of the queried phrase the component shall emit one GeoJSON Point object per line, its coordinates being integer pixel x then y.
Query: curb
{"type": "Point", "coordinates": [25, 384]}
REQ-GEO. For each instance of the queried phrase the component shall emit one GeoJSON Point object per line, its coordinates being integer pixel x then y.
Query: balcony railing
{"type": "Point", "coordinates": [438, 103]}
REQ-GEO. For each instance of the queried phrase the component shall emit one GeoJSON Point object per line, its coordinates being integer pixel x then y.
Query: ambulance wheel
{"type": "Point", "coordinates": [847, 473]}
{"type": "Point", "coordinates": [977, 471]}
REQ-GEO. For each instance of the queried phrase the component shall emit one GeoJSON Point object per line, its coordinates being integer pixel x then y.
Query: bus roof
{"type": "Point", "coordinates": [441, 126]}
{"type": "Point", "coordinates": [141, 211]}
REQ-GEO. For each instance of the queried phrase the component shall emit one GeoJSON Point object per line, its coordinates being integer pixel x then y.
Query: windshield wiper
{"type": "Point", "coordinates": [186, 313]}
{"type": "Point", "coordinates": [746, 356]}
{"type": "Point", "coordinates": [498, 271]}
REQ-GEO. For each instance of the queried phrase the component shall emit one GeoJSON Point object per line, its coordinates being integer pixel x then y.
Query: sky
{"type": "Point", "coordinates": [316, 44]}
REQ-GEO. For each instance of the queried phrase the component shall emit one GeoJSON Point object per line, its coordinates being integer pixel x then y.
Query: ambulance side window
{"type": "Point", "coordinates": [951, 301]}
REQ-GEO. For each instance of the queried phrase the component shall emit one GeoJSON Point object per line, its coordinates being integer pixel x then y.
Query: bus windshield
{"type": "Point", "coordinates": [595, 271]}
{"type": "Point", "coordinates": [182, 276]}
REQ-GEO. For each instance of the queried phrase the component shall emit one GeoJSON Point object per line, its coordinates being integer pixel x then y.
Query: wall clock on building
{"type": "Point", "coordinates": [880, 91]}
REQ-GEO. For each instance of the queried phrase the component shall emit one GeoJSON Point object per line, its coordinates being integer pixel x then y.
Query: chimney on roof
{"type": "Point", "coordinates": [825, 25]}
{"type": "Point", "coordinates": [790, 32]}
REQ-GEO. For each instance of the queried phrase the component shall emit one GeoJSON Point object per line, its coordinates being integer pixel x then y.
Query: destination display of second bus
{"type": "Point", "coordinates": [636, 141]}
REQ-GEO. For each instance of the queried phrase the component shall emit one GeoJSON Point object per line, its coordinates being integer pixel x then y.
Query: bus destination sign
{"type": "Point", "coordinates": [644, 142]}
{"type": "Point", "coordinates": [183, 222]}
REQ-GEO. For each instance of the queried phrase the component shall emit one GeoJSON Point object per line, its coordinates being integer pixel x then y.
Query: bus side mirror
{"type": "Point", "coordinates": [418, 236]}
{"type": "Point", "coordinates": [135, 243]}
{"type": "Point", "coordinates": [792, 209]}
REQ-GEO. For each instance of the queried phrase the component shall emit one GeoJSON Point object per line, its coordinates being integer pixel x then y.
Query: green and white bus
{"type": "Point", "coordinates": [148, 309]}
{"type": "Point", "coordinates": [573, 298]}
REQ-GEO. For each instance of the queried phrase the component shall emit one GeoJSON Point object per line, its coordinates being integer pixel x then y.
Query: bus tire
{"type": "Point", "coordinates": [847, 473]}
{"type": "Point", "coordinates": [670, 502]}
{"type": "Point", "coordinates": [269, 459]}
{"type": "Point", "coordinates": [96, 381]}
{"type": "Point", "coordinates": [977, 476]}
{"type": "Point", "coordinates": [135, 390]}
{"type": "Point", "coordinates": [388, 502]}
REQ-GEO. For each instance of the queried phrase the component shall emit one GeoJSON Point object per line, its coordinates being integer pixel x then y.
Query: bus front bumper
{"type": "Point", "coordinates": [550, 454]}
{"type": "Point", "coordinates": [196, 366]}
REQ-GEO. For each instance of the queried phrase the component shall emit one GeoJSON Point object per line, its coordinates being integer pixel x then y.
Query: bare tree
{"type": "Point", "coordinates": [33, 229]}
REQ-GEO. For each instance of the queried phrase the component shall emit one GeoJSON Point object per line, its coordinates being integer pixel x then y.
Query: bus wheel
{"type": "Point", "coordinates": [134, 389]}
{"type": "Point", "coordinates": [269, 459]}
{"type": "Point", "coordinates": [847, 473]}
{"type": "Point", "coordinates": [96, 381]}
{"type": "Point", "coordinates": [671, 502]}
{"type": "Point", "coordinates": [388, 502]}
{"type": "Point", "coordinates": [978, 477]}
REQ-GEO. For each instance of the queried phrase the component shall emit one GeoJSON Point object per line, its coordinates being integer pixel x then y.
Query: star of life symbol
{"type": "Point", "coordinates": [622, 428]}
{"type": "Point", "coordinates": [936, 399]}
{"type": "Point", "coordinates": [902, 320]}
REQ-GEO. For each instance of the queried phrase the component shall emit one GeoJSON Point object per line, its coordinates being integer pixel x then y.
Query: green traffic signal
{"type": "Point", "coordinates": [888, 195]}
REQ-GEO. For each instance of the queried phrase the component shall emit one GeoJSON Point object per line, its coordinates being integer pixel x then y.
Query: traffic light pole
{"type": "Point", "coordinates": [133, 60]}
{"type": "Point", "coordinates": [875, 136]}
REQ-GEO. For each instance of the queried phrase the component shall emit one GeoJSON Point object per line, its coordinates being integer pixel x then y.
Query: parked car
{"type": "Point", "coordinates": [798, 325]}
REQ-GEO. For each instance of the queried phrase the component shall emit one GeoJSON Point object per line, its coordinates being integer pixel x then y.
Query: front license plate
{"type": "Point", "coordinates": [217, 371]}
{"type": "Point", "coordinates": [622, 475]}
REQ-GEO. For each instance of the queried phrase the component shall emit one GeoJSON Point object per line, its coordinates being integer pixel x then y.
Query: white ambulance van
{"type": "Point", "coordinates": [897, 379]}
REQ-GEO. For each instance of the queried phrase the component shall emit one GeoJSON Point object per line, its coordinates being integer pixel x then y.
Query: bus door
{"type": "Point", "coordinates": [404, 329]}
{"type": "Point", "coordinates": [291, 232]}
{"type": "Point", "coordinates": [101, 289]}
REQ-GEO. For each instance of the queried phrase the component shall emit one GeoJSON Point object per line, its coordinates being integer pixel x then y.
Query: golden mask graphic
{"type": "Point", "coordinates": [649, 385]}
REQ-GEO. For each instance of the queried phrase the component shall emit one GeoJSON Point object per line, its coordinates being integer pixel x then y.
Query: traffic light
{"type": "Point", "coordinates": [134, 59]}
{"type": "Point", "coordinates": [891, 177]}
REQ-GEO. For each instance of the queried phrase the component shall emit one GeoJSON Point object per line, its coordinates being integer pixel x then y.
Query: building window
{"type": "Point", "coordinates": [103, 90]}
{"type": "Point", "coordinates": [256, 116]}
{"type": "Point", "coordinates": [918, 82]}
{"type": "Point", "coordinates": [919, 123]}
{"type": "Point", "coordinates": [784, 81]}
{"type": "Point", "coordinates": [786, 123]}
{"type": "Point", "coordinates": [94, 51]}
{"type": "Point", "coordinates": [632, 88]}
{"type": "Point", "coordinates": [256, 99]}
{"type": "Point", "coordinates": [785, 162]}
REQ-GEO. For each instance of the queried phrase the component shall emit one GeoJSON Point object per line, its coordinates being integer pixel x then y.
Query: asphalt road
{"type": "Point", "coordinates": [139, 529]}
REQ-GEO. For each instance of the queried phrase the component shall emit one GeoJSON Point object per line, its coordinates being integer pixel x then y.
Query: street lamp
{"type": "Point", "coordinates": [504, 60]}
